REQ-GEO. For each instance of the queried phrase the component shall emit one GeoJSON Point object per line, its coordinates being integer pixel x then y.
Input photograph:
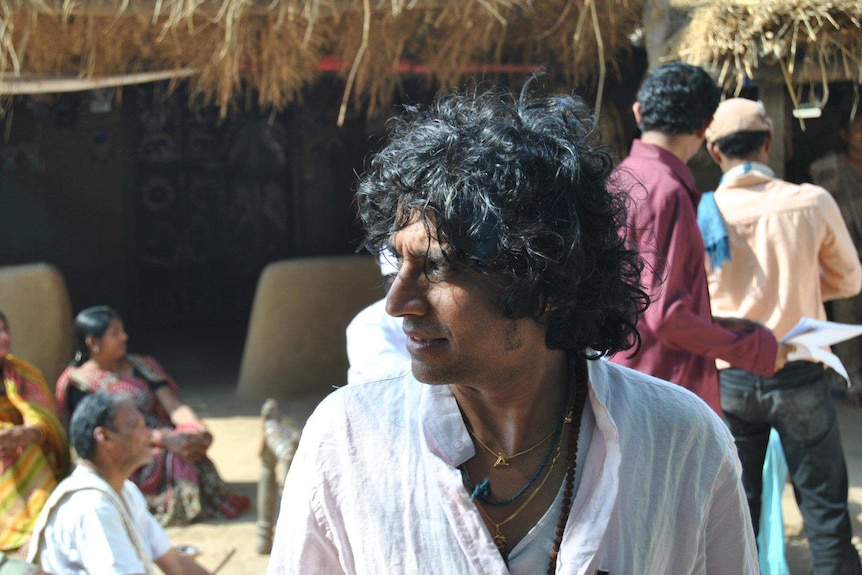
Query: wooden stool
{"type": "Point", "coordinates": [278, 446]}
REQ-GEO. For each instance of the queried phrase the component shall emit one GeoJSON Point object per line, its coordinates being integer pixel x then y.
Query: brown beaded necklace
{"type": "Point", "coordinates": [581, 387]}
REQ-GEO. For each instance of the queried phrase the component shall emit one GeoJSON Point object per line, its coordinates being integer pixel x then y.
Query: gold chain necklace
{"type": "Point", "coordinates": [503, 459]}
{"type": "Point", "coordinates": [499, 538]}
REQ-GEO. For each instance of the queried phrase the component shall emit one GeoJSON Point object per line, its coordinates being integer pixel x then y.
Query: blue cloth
{"type": "Point", "coordinates": [797, 403]}
{"type": "Point", "coordinates": [770, 539]}
{"type": "Point", "coordinates": [712, 229]}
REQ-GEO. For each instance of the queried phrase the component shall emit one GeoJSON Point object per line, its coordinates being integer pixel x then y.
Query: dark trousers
{"type": "Point", "coordinates": [797, 403]}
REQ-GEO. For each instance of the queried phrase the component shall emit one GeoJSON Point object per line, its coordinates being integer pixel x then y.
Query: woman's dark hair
{"type": "Point", "coordinates": [91, 322]}
{"type": "Point", "coordinates": [519, 188]}
{"type": "Point", "coordinates": [4, 319]}
{"type": "Point", "coordinates": [95, 410]}
{"type": "Point", "coordinates": [677, 98]}
{"type": "Point", "coordinates": [741, 144]}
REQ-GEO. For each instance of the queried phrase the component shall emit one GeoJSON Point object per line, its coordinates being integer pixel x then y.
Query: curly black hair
{"type": "Point", "coordinates": [677, 98]}
{"type": "Point", "coordinates": [519, 188]}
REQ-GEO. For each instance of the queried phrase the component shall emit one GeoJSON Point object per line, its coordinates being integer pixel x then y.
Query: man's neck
{"type": "Point", "coordinates": [519, 414]}
{"type": "Point", "coordinates": [728, 164]}
{"type": "Point", "coordinates": [112, 477]}
{"type": "Point", "coordinates": [683, 146]}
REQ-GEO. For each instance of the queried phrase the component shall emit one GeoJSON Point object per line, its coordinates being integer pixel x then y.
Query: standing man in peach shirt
{"type": "Point", "coordinates": [789, 252]}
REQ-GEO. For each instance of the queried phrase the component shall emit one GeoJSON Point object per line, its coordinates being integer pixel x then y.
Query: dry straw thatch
{"type": "Point", "coordinates": [814, 39]}
{"type": "Point", "coordinates": [273, 48]}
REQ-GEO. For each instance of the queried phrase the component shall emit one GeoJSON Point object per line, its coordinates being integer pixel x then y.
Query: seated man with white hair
{"type": "Point", "coordinates": [376, 344]}
{"type": "Point", "coordinates": [96, 520]}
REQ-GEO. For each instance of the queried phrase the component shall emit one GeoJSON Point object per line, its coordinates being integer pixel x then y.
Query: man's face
{"type": "Point", "coordinates": [133, 436]}
{"type": "Point", "coordinates": [456, 332]}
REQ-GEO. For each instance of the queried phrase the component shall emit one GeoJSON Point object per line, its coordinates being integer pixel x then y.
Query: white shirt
{"type": "Point", "coordinates": [376, 345]}
{"type": "Point", "coordinates": [375, 487]}
{"type": "Point", "coordinates": [86, 534]}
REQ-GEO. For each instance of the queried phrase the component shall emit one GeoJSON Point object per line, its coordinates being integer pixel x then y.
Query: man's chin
{"type": "Point", "coordinates": [429, 375]}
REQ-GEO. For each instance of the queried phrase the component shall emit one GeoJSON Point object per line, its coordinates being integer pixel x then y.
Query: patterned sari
{"type": "Point", "coordinates": [177, 491]}
{"type": "Point", "coordinates": [29, 476]}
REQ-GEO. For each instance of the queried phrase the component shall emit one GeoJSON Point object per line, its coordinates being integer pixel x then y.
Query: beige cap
{"type": "Point", "coordinates": [738, 115]}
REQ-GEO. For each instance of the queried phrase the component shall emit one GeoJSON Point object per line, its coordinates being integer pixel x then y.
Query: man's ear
{"type": "Point", "coordinates": [767, 145]}
{"type": "Point", "coordinates": [712, 149]}
{"type": "Point", "coordinates": [100, 435]}
{"type": "Point", "coordinates": [638, 112]}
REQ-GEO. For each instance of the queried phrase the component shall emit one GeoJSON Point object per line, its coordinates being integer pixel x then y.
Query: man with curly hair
{"type": "Point", "coordinates": [509, 449]}
{"type": "Point", "coordinates": [680, 339]}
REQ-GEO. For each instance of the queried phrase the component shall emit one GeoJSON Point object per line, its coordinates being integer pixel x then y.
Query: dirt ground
{"type": "Point", "coordinates": [207, 383]}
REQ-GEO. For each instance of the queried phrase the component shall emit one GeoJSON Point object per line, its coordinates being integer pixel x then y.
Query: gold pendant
{"type": "Point", "coordinates": [500, 540]}
{"type": "Point", "coordinates": [501, 461]}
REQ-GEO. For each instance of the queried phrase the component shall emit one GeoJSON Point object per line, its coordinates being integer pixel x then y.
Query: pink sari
{"type": "Point", "coordinates": [178, 491]}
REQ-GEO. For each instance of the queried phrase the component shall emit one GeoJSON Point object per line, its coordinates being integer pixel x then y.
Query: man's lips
{"type": "Point", "coordinates": [419, 340]}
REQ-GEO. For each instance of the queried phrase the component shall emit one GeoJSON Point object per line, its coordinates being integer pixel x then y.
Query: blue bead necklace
{"type": "Point", "coordinates": [482, 491]}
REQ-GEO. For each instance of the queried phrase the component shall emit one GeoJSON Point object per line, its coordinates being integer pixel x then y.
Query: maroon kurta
{"type": "Point", "coordinates": [680, 341]}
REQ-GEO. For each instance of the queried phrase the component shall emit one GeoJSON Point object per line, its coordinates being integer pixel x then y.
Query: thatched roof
{"type": "Point", "coordinates": [273, 48]}
{"type": "Point", "coordinates": [808, 41]}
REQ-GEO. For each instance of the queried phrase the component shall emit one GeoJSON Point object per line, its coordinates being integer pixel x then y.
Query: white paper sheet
{"type": "Point", "coordinates": [811, 335]}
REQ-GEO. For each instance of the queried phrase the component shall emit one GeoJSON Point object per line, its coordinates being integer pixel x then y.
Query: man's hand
{"type": "Point", "coordinates": [781, 356]}
{"type": "Point", "coordinates": [175, 563]}
{"type": "Point", "coordinates": [17, 437]}
{"type": "Point", "coordinates": [191, 446]}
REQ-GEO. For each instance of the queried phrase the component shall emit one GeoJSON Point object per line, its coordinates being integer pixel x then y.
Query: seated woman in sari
{"type": "Point", "coordinates": [181, 485]}
{"type": "Point", "coordinates": [34, 451]}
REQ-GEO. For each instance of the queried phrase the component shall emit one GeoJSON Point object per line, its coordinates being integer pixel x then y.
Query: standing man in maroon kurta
{"type": "Point", "coordinates": [680, 339]}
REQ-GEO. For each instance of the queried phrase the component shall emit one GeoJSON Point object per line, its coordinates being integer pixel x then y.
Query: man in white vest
{"type": "Point", "coordinates": [97, 521]}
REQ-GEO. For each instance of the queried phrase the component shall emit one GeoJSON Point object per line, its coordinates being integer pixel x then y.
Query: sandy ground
{"type": "Point", "coordinates": [209, 387]}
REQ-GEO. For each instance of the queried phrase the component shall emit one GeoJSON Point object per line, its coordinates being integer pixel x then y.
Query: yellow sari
{"type": "Point", "coordinates": [28, 476]}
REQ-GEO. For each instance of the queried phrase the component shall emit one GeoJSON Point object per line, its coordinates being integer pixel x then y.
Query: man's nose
{"type": "Point", "coordinates": [407, 295]}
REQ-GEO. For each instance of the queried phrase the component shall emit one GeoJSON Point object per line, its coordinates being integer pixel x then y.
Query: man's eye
{"type": "Point", "coordinates": [437, 270]}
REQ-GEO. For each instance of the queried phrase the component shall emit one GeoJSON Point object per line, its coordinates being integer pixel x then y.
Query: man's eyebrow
{"type": "Point", "coordinates": [435, 255]}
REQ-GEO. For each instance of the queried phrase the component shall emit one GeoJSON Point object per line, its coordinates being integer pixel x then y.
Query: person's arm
{"type": "Point", "coordinates": [841, 272]}
{"type": "Point", "coordinates": [729, 538]}
{"type": "Point", "coordinates": [678, 261]}
{"type": "Point", "coordinates": [175, 563]}
{"type": "Point", "coordinates": [190, 439]}
{"type": "Point", "coordinates": [373, 350]}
